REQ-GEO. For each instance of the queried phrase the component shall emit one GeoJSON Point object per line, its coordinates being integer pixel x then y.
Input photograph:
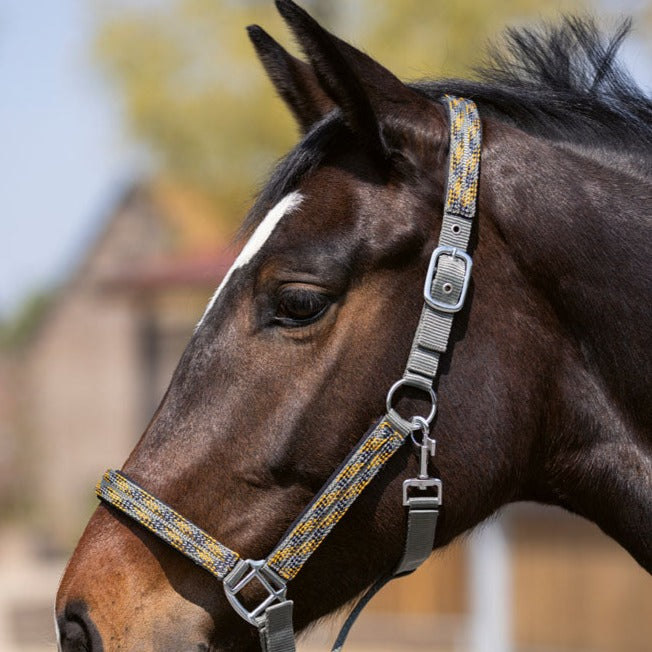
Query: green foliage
{"type": "Point", "coordinates": [196, 96]}
{"type": "Point", "coordinates": [17, 330]}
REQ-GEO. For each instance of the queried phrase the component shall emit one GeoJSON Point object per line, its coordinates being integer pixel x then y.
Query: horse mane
{"type": "Point", "coordinates": [560, 82]}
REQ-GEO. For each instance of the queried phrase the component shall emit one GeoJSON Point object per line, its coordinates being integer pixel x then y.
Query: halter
{"type": "Point", "coordinates": [445, 289]}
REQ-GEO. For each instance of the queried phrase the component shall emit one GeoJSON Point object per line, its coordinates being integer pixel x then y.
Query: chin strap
{"type": "Point", "coordinates": [445, 289]}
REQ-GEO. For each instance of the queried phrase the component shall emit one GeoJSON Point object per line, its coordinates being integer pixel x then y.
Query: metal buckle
{"type": "Point", "coordinates": [245, 571]}
{"type": "Point", "coordinates": [440, 251]}
{"type": "Point", "coordinates": [423, 502]}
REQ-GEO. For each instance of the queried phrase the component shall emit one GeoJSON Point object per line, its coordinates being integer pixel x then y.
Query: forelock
{"type": "Point", "coordinates": [308, 155]}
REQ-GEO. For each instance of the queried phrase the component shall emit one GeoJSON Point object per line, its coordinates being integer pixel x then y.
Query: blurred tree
{"type": "Point", "coordinates": [18, 329]}
{"type": "Point", "coordinates": [195, 95]}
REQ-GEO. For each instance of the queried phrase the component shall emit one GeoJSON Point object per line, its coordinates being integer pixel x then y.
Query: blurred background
{"type": "Point", "coordinates": [133, 135]}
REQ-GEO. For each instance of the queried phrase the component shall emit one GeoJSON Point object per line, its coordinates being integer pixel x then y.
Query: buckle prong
{"type": "Point", "coordinates": [454, 252]}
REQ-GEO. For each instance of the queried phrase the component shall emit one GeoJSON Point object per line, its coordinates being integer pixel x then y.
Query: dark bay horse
{"type": "Point", "coordinates": [546, 396]}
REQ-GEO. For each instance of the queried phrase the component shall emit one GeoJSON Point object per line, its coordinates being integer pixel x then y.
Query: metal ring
{"type": "Point", "coordinates": [419, 424]}
{"type": "Point", "coordinates": [414, 423]}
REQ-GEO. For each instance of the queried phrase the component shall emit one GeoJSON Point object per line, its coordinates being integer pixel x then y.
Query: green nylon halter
{"type": "Point", "coordinates": [445, 289]}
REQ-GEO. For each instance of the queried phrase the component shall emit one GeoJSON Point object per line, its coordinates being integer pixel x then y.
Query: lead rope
{"type": "Point", "coordinates": [445, 290]}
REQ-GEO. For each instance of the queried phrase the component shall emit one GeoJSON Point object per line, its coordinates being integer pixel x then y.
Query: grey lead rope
{"type": "Point", "coordinates": [418, 546]}
{"type": "Point", "coordinates": [357, 610]}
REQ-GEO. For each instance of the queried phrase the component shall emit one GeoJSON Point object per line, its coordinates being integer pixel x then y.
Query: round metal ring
{"type": "Point", "coordinates": [419, 424]}
{"type": "Point", "coordinates": [414, 422]}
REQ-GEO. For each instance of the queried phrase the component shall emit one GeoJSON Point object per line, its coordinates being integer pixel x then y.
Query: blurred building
{"type": "Point", "coordinates": [106, 348]}
{"type": "Point", "coordinates": [97, 367]}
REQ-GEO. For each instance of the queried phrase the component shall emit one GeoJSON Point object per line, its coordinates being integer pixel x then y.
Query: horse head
{"type": "Point", "coordinates": [294, 355]}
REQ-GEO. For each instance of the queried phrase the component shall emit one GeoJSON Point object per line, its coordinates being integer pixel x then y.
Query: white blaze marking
{"type": "Point", "coordinates": [257, 240]}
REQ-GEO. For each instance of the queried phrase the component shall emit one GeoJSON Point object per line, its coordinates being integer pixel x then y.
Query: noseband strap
{"type": "Point", "coordinates": [445, 289]}
{"type": "Point", "coordinates": [163, 521]}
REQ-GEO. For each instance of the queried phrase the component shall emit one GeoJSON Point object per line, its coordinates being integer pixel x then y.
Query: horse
{"type": "Point", "coordinates": [544, 393]}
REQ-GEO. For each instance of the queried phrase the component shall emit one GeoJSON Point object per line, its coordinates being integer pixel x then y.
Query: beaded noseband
{"type": "Point", "coordinates": [445, 289]}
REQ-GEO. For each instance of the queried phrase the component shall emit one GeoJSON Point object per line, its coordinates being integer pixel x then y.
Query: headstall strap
{"type": "Point", "coordinates": [445, 288]}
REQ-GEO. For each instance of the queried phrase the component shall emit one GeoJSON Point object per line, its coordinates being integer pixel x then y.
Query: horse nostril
{"type": "Point", "coordinates": [77, 633]}
{"type": "Point", "coordinates": [73, 637]}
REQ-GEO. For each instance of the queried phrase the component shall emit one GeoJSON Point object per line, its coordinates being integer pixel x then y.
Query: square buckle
{"type": "Point", "coordinates": [437, 304]}
{"type": "Point", "coordinates": [422, 502]}
{"type": "Point", "coordinates": [246, 571]}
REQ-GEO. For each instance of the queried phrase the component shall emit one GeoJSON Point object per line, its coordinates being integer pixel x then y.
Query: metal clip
{"type": "Point", "coordinates": [423, 481]}
{"type": "Point", "coordinates": [427, 450]}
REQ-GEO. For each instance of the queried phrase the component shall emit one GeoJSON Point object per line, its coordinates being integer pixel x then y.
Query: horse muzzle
{"type": "Point", "coordinates": [116, 595]}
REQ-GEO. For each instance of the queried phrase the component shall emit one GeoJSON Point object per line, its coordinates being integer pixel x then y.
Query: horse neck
{"type": "Point", "coordinates": [579, 231]}
{"type": "Point", "coordinates": [576, 230]}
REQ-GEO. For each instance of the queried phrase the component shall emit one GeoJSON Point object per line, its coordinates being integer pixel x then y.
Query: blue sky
{"type": "Point", "coordinates": [63, 154]}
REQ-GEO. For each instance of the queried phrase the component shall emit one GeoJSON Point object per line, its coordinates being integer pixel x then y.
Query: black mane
{"type": "Point", "coordinates": [560, 82]}
{"type": "Point", "coordinates": [563, 83]}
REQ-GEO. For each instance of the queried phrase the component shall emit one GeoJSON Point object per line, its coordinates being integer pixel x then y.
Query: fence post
{"type": "Point", "coordinates": [490, 589]}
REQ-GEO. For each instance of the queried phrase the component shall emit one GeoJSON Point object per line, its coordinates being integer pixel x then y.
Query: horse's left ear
{"type": "Point", "coordinates": [295, 81]}
{"type": "Point", "coordinates": [375, 104]}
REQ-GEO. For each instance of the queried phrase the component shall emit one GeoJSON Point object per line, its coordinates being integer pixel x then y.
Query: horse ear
{"type": "Point", "coordinates": [294, 80]}
{"type": "Point", "coordinates": [366, 92]}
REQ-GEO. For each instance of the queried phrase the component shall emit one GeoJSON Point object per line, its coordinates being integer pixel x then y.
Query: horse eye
{"type": "Point", "coordinates": [299, 306]}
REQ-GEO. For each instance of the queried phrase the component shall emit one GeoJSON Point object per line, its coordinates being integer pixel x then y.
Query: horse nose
{"type": "Point", "coordinates": [77, 632]}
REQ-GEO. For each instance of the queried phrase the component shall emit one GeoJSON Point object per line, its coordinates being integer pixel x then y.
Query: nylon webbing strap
{"type": "Point", "coordinates": [276, 630]}
{"type": "Point", "coordinates": [445, 289]}
{"type": "Point", "coordinates": [303, 538]}
{"type": "Point", "coordinates": [166, 523]}
{"type": "Point", "coordinates": [334, 500]}
{"type": "Point", "coordinates": [419, 541]}
{"type": "Point", "coordinates": [450, 266]}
